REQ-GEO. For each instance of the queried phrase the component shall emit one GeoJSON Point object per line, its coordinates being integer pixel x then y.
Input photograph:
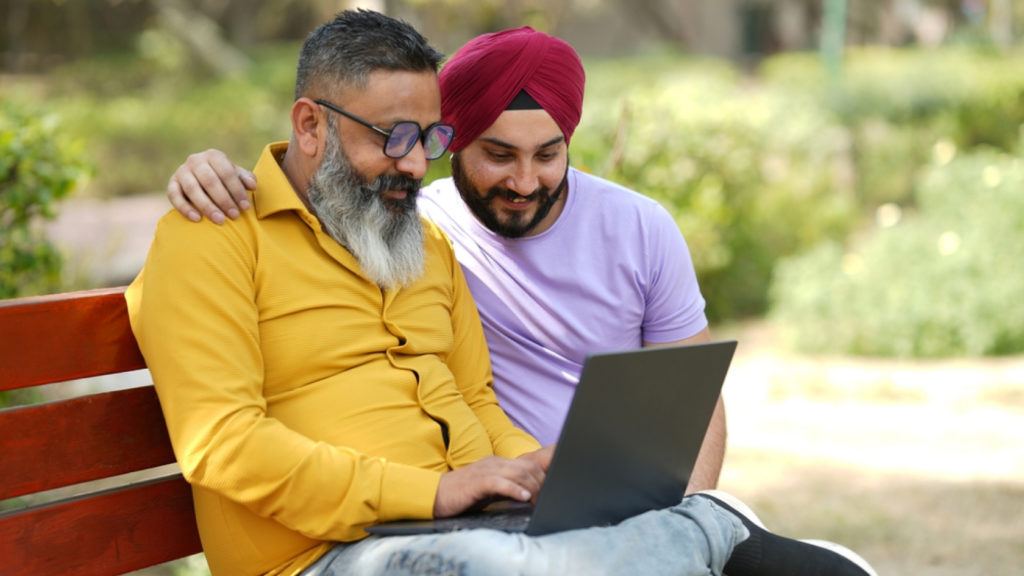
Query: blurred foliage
{"type": "Point", "coordinates": [750, 175]}
{"type": "Point", "coordinates": [194, 565]}
{"type": "Point", "coordinates": [886, 291]}
{"type": "Point", "coordinates": [39, 165]}
{"type": "Point", "coordinates": [943, 279]}
{"type": "Point", "coordinates": [754, 167]}
{"type": "Point", "coordinates": [898, 103]}
{"type": "Point", "coordinates": [141, 115]}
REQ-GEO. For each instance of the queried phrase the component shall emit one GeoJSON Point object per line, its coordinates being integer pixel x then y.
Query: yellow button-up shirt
{"type": "Point", "coordinates": [304, 403]}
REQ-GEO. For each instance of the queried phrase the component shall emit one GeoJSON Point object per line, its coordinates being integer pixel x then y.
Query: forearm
{"type": "Point", "coordinates": [712, 453]}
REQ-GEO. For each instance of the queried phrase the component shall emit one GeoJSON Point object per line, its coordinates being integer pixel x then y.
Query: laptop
{"type": "Point", "coordinates": [628, 445]}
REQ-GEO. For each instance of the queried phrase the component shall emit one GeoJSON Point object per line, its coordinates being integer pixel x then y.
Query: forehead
{"type": "Point", "coordinates": [390, 96]}
{"type": "Point", "coordinates": [523, 128]}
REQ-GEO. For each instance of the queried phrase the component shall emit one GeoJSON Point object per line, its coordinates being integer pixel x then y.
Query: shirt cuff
{"type": "Point", "coordinates": [407, 492]}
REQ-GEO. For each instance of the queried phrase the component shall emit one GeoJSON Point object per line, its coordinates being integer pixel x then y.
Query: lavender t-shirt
{"type": "Point", "coordinates": [612, 273]}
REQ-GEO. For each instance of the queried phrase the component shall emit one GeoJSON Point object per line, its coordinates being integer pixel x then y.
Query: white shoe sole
{"type": "Point", "coordinates": [845, 553]}
{"type": "Point", "coordinates": [745, 510]}
{"type": "Point", "coordinates": [736, 504]}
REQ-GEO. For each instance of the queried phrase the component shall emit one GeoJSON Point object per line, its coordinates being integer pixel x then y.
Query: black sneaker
{"type": "Point", "coordinates": [768, 554]}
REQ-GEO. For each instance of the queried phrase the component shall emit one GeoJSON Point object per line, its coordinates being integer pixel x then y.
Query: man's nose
{"type": "Point", "coordinates": [415, 163]}
{"type": "Point", "coordinates": [523, 179]}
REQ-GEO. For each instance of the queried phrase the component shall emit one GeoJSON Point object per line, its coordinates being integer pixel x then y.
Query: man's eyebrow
{"type": "Point", "coordinates": [510, 146]}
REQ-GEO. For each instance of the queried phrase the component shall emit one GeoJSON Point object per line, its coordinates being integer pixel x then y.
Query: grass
{"type": "Point", "coordinates": [914, 464]}
{"type": "Point", "coordinates": [902, 524]}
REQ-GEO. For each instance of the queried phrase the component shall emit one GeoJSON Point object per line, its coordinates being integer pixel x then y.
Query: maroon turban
{"type": "Point", "coordinates": [486, 74]}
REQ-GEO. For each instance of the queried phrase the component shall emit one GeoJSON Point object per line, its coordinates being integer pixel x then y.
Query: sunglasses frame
{"type": "Point", "coordinates": [421, 137]}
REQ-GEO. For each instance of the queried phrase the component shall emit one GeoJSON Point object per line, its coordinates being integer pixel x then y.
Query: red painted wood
{"type": "Point", "coordinates": [115, 532]}
{"type": "Point", "coordinates": [87, 438]}
{"type": "Point", "coordinates": [60, 444]}
{"type": "Point", "coordinates": [60, 337]}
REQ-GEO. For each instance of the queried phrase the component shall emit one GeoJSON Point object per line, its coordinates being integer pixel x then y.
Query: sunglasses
{"type": "Point", "coordinates": [402, 136]}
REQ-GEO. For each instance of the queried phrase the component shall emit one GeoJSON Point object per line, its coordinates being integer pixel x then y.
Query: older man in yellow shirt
{"type": "Point", "coordinates": [299, 368]}
{"type": "Point", "coordinates": [321, 365]}
{"type": "Point", "coordinates": [306, 400]}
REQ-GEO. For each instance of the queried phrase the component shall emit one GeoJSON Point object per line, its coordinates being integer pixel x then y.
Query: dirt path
{"type": "Point", "coordinates": [917, 465]}
{"type": "Point", "coordinates": [951, 420]}
{"type": "Point", "coordinates": [106, 240]}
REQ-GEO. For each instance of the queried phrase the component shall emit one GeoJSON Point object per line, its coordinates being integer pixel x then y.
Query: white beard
{"type": "Point", "coordinates": [386, 237]}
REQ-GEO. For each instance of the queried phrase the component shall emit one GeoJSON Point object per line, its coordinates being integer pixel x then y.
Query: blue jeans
{"type": "Point", "coordinates": [693, 538]}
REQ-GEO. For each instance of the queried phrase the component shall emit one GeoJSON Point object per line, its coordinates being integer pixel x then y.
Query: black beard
{"type": "Point", "coordinates": [479, 204]}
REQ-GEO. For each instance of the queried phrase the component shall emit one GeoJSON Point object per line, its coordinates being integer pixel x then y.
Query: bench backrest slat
{"type": "Point", "coordinates": [101, 435]}
{"type": "Point", "coordinates": [111, 533]}
{"type": "Point", "coordinates": [131, 523]}
{"type": "Point", "coordinates": [64, 337]}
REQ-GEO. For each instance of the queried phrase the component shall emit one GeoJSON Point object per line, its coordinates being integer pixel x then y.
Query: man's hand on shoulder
{"type": "Point", "coordinates": [486, 480]}
{"type": "Point", "coordinates": [209, 183]}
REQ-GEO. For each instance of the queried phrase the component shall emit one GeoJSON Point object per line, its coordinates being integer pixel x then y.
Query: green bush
{"type": "Point", "coordinates": [943, 280]}
{"type": "Point", "coordinates": [140, 120]}
{"type": "Point", "coordinates": [896, 103]}
{"type": "Point", "coordinates": [39, 165]}
{"type": "Point", "coordinates": [753, 168]}
{"type": "Point", "coordinates": [750, 175]}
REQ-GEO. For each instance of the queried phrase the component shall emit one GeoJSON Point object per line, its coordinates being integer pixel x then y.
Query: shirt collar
{"type": "Point", "coordinates": [274, 192]}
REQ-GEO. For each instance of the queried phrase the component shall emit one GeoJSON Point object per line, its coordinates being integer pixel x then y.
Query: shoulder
{"type": "Point", "coordinates": [437, 241]}
{"type": "Point", "coordinates": [186, 233]}
{"type": "Point", "coordinates": [181, 247]}
{"type": "Point", "coordinates": [614, 200]}
{"type": "Point", "coordinates": [438, 197]}
{"type": "Point", "coordinates": [432, 233]}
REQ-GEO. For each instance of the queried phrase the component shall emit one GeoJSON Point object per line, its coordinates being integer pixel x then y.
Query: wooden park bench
{"type": "Point", "coordinates": [87, 484]}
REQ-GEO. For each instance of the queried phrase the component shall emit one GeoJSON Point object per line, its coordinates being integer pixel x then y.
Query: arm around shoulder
{"type": "Point", "coordinates": [209, 184]}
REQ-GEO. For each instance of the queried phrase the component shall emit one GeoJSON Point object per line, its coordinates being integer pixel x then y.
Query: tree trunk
{"type": "Point", "coordinates": [17, 21]}
{"type": "Point", "coordinates": [202, 36]}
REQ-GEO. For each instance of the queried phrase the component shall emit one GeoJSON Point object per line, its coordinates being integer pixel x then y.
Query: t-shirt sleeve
{"type": "Point", "coordinates": [675, 306]}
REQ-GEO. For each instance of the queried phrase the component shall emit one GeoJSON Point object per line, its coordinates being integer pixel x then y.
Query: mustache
{"type": "Point", "coordinates": [496, 191]}
{"type": "Point", "coordinates": [387, 182]}
{"type": "Point", "coordinates": [396, 182]}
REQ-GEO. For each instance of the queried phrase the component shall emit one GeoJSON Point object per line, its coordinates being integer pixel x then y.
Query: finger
{"type": "Point", "coordinates": [536, 478]}
{"type": "Point", "coordinates": [236, 181]}
{"type": "Point", "coordinates": [508, 488]}
{"type": "Point", "coordinates": [249, 182]}
{"type": "Point", "coordinates": [196, 196]}
{"type": "Point", "coordinates": [213, 187]}
{"type": "Point", "coordinates": [177, 198]}
{"type": "Point", "coordinates": [525, 474]}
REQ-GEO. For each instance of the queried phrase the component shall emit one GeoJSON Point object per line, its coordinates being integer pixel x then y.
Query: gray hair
{"type": "Point", "coordinates": [346, 50]}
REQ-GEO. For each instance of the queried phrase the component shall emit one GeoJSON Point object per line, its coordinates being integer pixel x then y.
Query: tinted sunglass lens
{"type": "Point", "coordinates": [403, 137]}
{"type": "Point", "coordinates": [437, 140]}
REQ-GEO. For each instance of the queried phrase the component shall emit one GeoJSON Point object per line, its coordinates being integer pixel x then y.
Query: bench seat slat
{"type": "Point", "coordinates": [117, 531]}
{"type": "Point", "coordinates": [52, 445]}
{"type": "Point", "coordinates": [64, 337]}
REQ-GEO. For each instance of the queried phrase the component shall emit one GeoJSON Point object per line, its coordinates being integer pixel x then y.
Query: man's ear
{"type": "Point", "coordinates": [307, 127]}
